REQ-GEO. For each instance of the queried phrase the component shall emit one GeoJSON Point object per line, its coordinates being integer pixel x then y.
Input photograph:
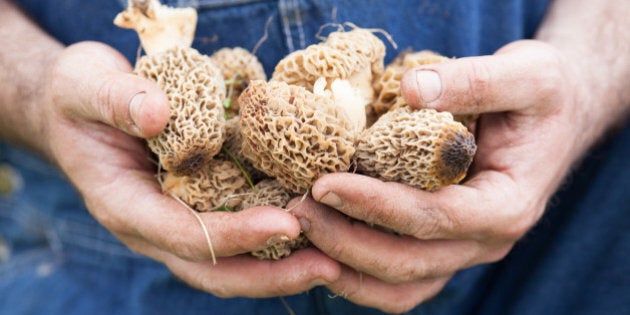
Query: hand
{"type": "Point", "coordinates": [534, 125]}
{"type": "Point", "coordinates": [95, 113]}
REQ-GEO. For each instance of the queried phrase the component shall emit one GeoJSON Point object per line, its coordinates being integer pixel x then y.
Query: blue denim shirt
{"type": "Point", "coordinates": [56, 259]}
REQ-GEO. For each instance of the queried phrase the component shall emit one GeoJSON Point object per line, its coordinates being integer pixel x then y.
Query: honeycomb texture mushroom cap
{"type": "Point", "coordinates": [219, 183]}
{"type": "Point", "coordinates": [238, 62]}
{"type": "Point", "coordinates": [343, 55]}
{"type": "Point", "coordinates": [422, 148]}
{"type": "Point", "coordinates": [387, 85]}
{"type": "Point", "coordinates": [195, 89]}
{"type": "Point", "coordinates": [269, 193]}
{"type": "Point", "coordinates": [360, 42]}
{"type": "Point", "coordinates": [294, 135]}
{"type": "Point", "coordinates": [282, 248]}
{"type": "Point", "coordinates": [239, 66]}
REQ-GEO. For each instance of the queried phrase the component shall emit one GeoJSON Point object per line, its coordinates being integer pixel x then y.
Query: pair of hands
{"type": "Point", "coordinates": [528, 136]}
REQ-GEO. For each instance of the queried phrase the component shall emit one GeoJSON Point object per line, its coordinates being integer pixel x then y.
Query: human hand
{"type": "Point", "coordinates": [95, 113]}
{"type": "Point", "coordinates": [537, 120]}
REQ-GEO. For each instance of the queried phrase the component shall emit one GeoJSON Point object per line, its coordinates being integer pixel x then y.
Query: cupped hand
{"type": "Point", "coordinates": [96, 112]}
{"type": "Point", "coordinates": [534, 126]}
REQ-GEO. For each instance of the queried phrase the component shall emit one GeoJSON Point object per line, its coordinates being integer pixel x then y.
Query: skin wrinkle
{"type": "Point", "coordinates": [595, 120]}
{"type": "Point", "coordinates": [479, 79]}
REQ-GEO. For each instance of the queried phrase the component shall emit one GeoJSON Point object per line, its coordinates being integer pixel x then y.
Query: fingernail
{"type": "Point", "coordinates": [305, 224]}
{"type": "Point", "coordinates": [331, 200]}
{"type": "Point", "coordinates": [429, 85]}
{"type": "Point", "coordinates": [135, 107]}
{"type": "Point", "coordinates": [318, 281]}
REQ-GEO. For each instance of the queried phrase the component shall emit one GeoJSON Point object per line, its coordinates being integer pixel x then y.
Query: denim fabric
{"type": "Point", "coordinates": [451, 27]}
{"type": "Point", "coordinates": [61, 261]}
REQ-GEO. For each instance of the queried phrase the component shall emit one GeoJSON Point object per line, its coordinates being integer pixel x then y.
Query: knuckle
{"type": "Point", "coordinates": [479, 80]}
{"type": "Point", "coordinates": [429, 222]}
{"type": "Point", "coordinates": [335, 249]}
{"type": "Point", "coordinates": [185, 249]}
{"type": "Point", "coordinates": [104, 97]}
{"type": "Point", "coordinates": [411, 272]}
{"type": "Point", "coordinates": [514, 225]}
{"type": "Point", "coordinates": [106, 103]}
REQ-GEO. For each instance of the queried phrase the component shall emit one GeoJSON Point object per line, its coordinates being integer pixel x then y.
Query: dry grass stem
{"type": "Point", "coordinates": [264, 37]}
{"type": "Point", "coordinates": [203, 227]}
{"type": "Point", "coordinates": [301, 201]}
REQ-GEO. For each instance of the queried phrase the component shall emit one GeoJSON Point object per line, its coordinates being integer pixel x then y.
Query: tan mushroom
{"type": "Point", "coordinates": [159, 27]}
{"type": "Point", "coordinates": [269, 193]}
{"type": "Point", "coordinates": [293, 135]}
{"type": "Point", "coordinates": [238, 67]}
{"type": "Point", "coordinates": [195, 89]}
{"type": "Point", "coordinates": [345, 64]}
{"type": "Point", "coordinates": [218, 185]}
{"type": "Point", "coordinates": [193, 84]}
{"type": "Point", "coordinates": [422, 148]}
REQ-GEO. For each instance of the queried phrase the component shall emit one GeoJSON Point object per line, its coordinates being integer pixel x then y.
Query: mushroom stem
{"type": "Point", "coordinates": [347, 97]}
{"type": "Point", "coordinates": [159, 27]}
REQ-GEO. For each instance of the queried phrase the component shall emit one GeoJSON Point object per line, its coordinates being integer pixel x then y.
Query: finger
{"type": "Point", "coordinates": [392, 205]}
{"type": "Point", "coordinates": [501, 82]}
{"type": "Point", "coordinates": [142, 210]}
{"type": "Point", "coordinates": [247, 276]}
{"type": "Point", "coordinates": [480, 210]}
{"type": "Point", "coordinates": [108, 93]}
{"type": "Point", "coordinates": [389, 257]}
{"type": "Point", "coordinates": [391, 298]}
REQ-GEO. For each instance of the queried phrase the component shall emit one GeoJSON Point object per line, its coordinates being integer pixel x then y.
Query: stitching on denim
{"type": "Point", "coordinates": [283, 8]}
{"type": "Point", "coordinates": [300, 26]}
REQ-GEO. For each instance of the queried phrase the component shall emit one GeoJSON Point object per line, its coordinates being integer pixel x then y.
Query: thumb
{"type": "Point", "coordinates": [130, 103]}
{"type": "Point", "coordinates": [500, 82]}
{"type": "Point", "coordinates": [96, 84]}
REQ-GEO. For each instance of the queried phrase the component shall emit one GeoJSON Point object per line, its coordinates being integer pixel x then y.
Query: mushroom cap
{"type": "Point", "coordinates": [238, 62]}
{"type": "Point", "coordinates": [422, 148]}
{"type": "Point", "coordinates": [238, 67]}
{"type": "Point", "coordinates": [294, 135]}
{"type": "Point", "coordinates": [218, 183]}
{"type": "Point", "coordinates": [387, 85]}
{"type": "Point", "coordinates": [360, 42]}
{"type": "Point", "coordinates": [195, 89]}
{"type": "Point", "coordinates": [343, 55]}
{"type": "Point", "coordinates": [268, 192]}
{"type": "Point", "coordinates": [282, 248]}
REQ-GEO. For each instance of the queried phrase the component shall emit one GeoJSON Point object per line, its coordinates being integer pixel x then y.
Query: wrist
{"type": "Point", "coordinates": [594, 43]}
{"type": "Point", "coordinates": [26, 58]}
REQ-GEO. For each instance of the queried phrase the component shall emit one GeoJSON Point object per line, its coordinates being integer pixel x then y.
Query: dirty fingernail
{"type": "Point", "coordinates": [332, 200]}
{"type": "Point", "coordinates": [429, 85]}
{"type": "Point", "coordinates": [318, 281]}
{"type": "Point", "coordinates": [305, 224]}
